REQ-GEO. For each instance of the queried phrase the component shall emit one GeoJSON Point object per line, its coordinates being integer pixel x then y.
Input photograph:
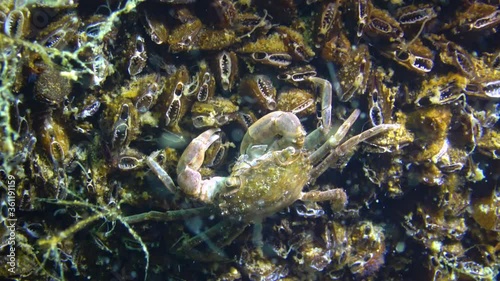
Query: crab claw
{"type": "Point", "coordinates": [271, 126]}
{"type": "Point", "coordinates": [188, 176]}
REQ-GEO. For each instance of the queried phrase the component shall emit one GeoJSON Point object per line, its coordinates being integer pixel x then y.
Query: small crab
{"type": "Point", "coordinates": [277, 159]}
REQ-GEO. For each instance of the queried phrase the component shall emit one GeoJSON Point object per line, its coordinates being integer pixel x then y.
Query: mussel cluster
{"type": "Point", "coordinates": [90, 88]}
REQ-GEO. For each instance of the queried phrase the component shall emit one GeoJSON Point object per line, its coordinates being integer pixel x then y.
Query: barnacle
{"type": "Point", "coordinates": [61, 33]}
{"type": "Point", "coordinates": [184, 37]}
{"type": "Point", "coordinates": [174, 101]}
{"type": "Point", "coordinates": [354, 75]}
{"type": "Point", "coordinates": [300, 102]}
{"type": "Point", "coordinates": [226, 68]}
{"type": "Point", "coordinates": [327, 20]}
{"type": "Point", "coordinates": [139, 57]}
{"type": "Point", "coordinates": [485, 211]}
{"type": "Point", "coordinates": [261, 89]}
{"type": "Point", "coordinates": [489, 143]}
{"type": "Point", "coordinates": [381, 23]}
{"type": "Point", "coordinates": [414, 56]}
{"type": "Point", "coordinates": [337, 48]}
{"type": "Point", "coordinates": [477, 17]}
{"type": "Point", "coordinates": [297, 74]}
{"type": "Point", "coordinates": [156, 27]}
{"type": "Point", "coordinates": [410, 15]}
{"type": "Point", "coordinates": [16, 24]}
{"type": "Point", "coordinates": [274, 59]}
{"type": "Point", "coordinates": [296, 44]}
{"type": "Point", "coordinates": [433, 121]}
{"type": "Point", "coordinates": [206, 83]}
{"type": "Point", "coordinates": [272, 43]}
{"type": "Point", "coordinates": [442, 89]}
{"type": "Point", "coordinates": [214, 112]}
{"type": "Point", "coordinates": [54, 140]}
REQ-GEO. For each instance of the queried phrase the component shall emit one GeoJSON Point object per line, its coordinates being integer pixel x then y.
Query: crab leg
{"type": "Point", "coordinates": [334, 140]}
{"type": "Point", "coordinates": [348, 146]}
{"type": "Point", "coordinates": [188, 176]}
{"type": "Point", "coordinates": [160, 172]}
{"type": "Point", "coordinates": [341, 153]}
{"type": "Point", "coordinates": [170, 215]}
{"type": "Point", "coordinates": [325, 102]}
{"type": "Point", "coordinates": [224, 231]}
{"type": "Point", "coordinates": [318, 196]}
{"type": "Point", "coordinates": [336, 196]}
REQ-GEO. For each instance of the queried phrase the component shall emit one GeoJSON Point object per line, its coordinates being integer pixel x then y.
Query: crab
{"type": "Point", "coordinates": [277, 160]}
